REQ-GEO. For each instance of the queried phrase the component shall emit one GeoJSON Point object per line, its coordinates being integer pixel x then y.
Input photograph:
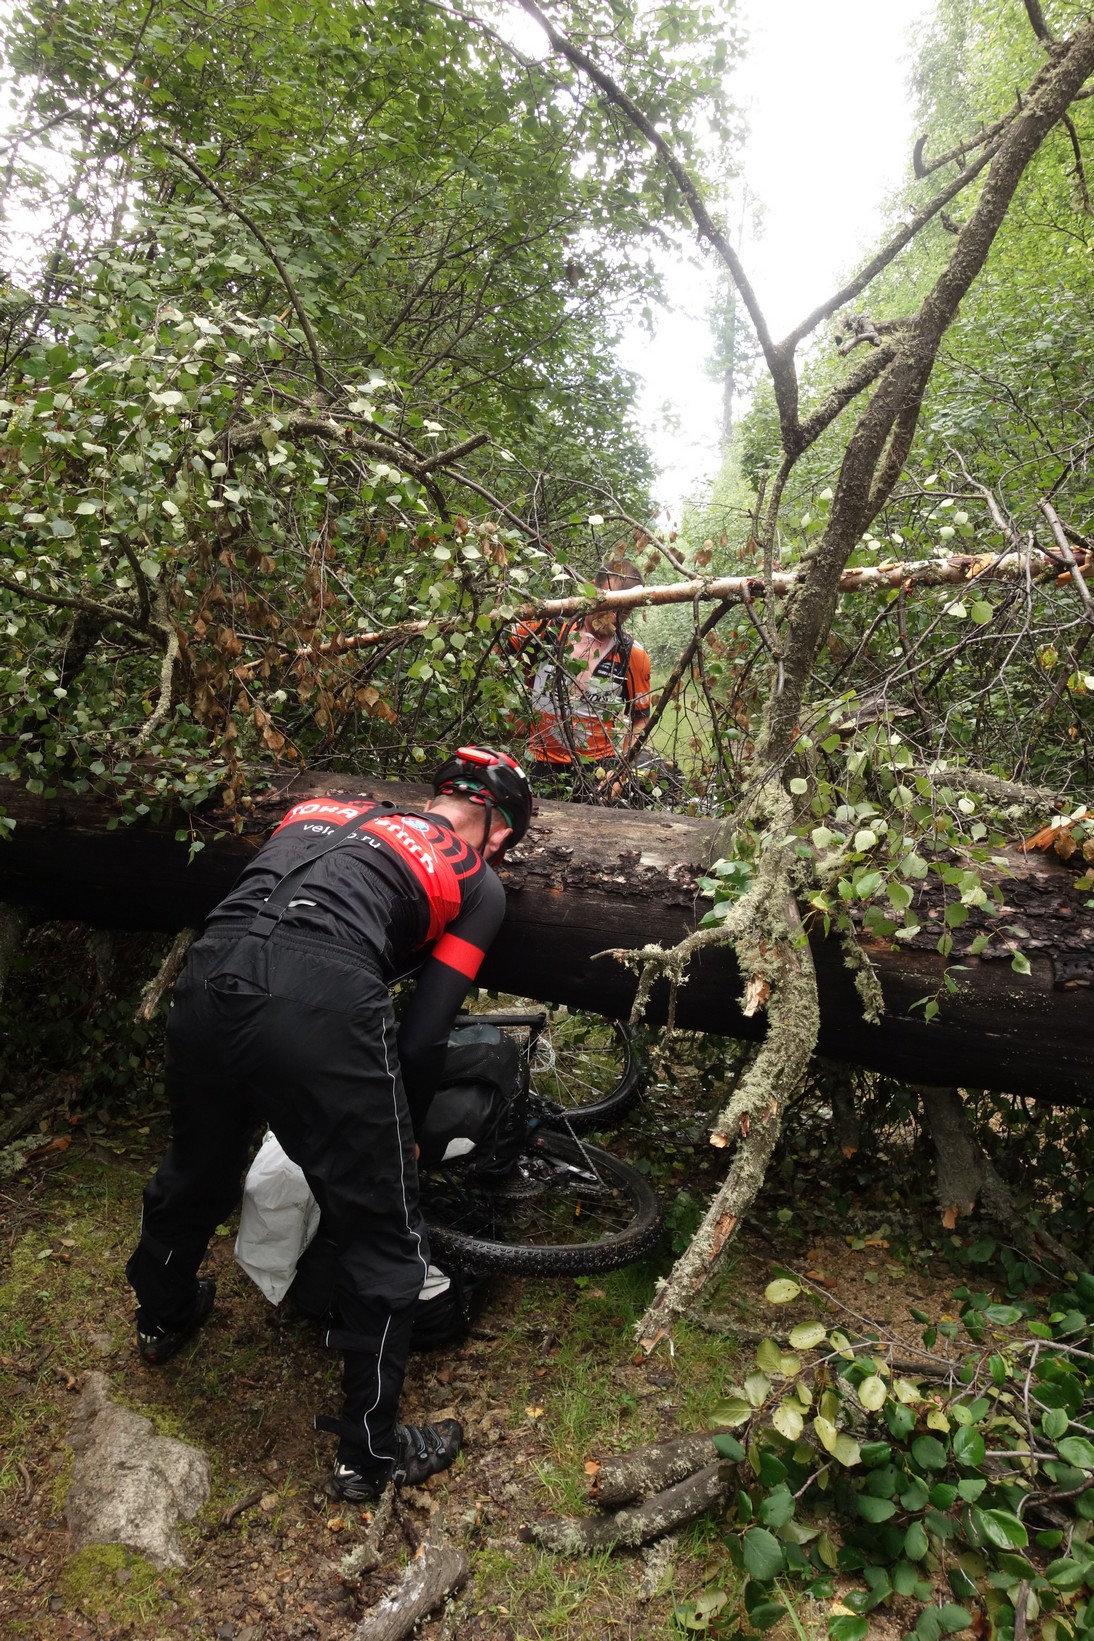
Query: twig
{"type": "Point", "coordinates": [238, 1508]}
{"type": "Point", "coordinates": [165, 976]}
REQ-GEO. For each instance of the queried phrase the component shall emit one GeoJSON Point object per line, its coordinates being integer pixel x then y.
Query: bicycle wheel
{"type": "Point", "coordinates": [567, 1209]}
{"type": "Point", "coordinates": [586, 1071]}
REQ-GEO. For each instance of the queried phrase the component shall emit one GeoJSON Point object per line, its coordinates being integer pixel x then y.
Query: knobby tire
{"type": "Point", "coordinates": [585, 1190]}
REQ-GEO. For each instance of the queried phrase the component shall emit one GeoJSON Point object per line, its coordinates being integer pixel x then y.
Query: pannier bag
{"type": "Point", "coordinates": [478, 1114]}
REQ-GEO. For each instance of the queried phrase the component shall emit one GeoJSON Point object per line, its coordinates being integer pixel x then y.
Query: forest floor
{"type": "Point", "coordinates": [549, 1380]}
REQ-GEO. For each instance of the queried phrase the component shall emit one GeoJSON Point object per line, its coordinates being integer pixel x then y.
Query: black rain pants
{"type": "Point", "coordinates": [298, 1034]}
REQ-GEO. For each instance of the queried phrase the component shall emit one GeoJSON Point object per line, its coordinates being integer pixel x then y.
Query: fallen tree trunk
{"type": "Point", "coordinates": [590, 880]}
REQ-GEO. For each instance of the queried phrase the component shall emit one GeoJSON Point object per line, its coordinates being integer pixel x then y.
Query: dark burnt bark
{"type": "Point", "coordinates": [589, 880]}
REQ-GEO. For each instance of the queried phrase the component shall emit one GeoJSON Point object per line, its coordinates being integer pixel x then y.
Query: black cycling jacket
{"type": "Point", "coordinates": [401, 886]}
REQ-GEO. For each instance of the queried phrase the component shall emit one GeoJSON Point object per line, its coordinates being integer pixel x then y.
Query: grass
{"type": "Point", "coordinates": [541, 1597]}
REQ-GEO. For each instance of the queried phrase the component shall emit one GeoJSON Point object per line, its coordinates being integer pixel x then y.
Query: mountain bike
{"type": "Point", "coordinates": [528, 1194]}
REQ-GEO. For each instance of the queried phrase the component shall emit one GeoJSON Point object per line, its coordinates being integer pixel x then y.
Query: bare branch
{"type": "Point", "coordinates": [1037, 22]}
{"type": "Point", "coordinates": [308, 425]}
{"type": "Point", "coordinates": [445, 458]}
{"type": "Point", "coordinates": [957, 568]}
{"type": "Point", "coordinates": [165, 976]}
{"type": "Point", "coordinates": [1068, 557]}
{"type": "Point", "coordinates": [840, 397]}
{"type": "Point", "coordinates": [167, 673]}
{"type": "Point", "coordinates": [778, 358]}
{"type": "Point", "coordinates": [61, 601]}
{"type": "Point", "coordinates": [915, 222]}
{"type": "Point", "coordinates": [923, 168]}
{"type": "Point", "coordinates": [1080, 170]}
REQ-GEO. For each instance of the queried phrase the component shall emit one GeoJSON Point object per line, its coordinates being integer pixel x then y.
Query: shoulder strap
{"type": "Point", "coordinates": [285, 888]}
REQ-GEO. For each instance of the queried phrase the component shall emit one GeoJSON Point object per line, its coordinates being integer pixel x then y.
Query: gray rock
{"type": "Point", "coordinates": [130, 1486]}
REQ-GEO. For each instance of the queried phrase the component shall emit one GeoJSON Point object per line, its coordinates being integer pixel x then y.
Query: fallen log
{"type": "Point", "coordinates": [588, 880]}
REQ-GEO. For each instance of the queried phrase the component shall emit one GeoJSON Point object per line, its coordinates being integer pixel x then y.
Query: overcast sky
{"type": "Point", "coordinates": [830, 137]}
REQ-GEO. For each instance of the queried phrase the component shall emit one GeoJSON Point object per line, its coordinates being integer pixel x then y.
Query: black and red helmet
{"type": "Point", "coordinates": [492, 778]}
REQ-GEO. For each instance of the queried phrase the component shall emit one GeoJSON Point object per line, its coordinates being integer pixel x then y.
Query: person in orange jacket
{"type": "Point", "coordinates": [584, 676]}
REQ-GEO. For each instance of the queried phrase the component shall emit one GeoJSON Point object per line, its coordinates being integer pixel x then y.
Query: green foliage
{"type": "Point", "coordinates": [277, 261]}
{"type": "Point", "coordinates": [874, 829]}
{"type": "Point", "coordinates": [976, 1480]}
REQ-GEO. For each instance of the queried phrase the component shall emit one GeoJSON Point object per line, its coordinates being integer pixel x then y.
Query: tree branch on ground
{"type": "Point", "coordinates": [629, 1528]}
{"type": "Point", "coordinates": [437, 1568]}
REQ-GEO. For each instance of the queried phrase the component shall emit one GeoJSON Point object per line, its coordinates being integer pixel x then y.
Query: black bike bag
{"type": "Point", "coordinates": [478, 1113]}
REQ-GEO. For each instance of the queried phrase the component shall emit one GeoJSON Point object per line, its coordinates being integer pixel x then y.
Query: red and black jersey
{"type": "Point", "coordinates": [399, 884]}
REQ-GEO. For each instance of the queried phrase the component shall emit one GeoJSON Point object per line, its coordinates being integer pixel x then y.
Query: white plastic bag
{"type": "Point", "coordinates": [278, 1219]}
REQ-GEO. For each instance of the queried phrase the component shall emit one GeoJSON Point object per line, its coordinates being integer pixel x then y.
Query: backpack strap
{"type": "Point", "coordinates": [281, 895]}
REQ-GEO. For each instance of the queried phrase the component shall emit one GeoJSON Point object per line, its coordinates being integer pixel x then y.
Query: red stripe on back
{"type": "Point", "coordinates": [420, 852]}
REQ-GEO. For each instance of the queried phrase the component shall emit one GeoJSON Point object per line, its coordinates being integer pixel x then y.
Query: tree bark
{"type": "Point", "coordinates": [627, 1529]}
{"type": "Point", "coordinates": [437, 1569]}
{"type": "Point", "coordinates": [587, 881]}
{"type": "Point", "coordinates": [645, 1471]}
{"type": "Point", "coordinates": [966, 1175]}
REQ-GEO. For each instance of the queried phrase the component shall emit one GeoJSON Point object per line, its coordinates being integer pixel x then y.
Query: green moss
{"type": "Point", "coordinates": [113, 1581]}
